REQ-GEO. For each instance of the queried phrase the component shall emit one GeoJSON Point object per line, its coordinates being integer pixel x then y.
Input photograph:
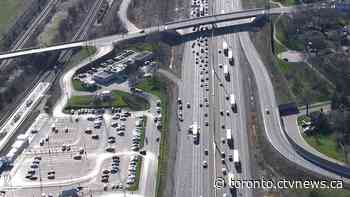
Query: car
{"type": "Point", "coordinates": [33, 166]}
{"type": "Point", "coordinates": [222, 154]}
{"type": "Point", "coordinates": [33, 178]}
{"type": "Point", "coordinates": [114, 124]}
{"type": "Point", "coordinates": [206, 123]}
{"type": "Point", "coordinates": [37, 158]}
{"type": "Point", "coordinates": [95, 137]}
{"type": "Point", "coordinates": [205, 164]}
{"type": "Point", "coordinates": [114, 170]}
{"type": "Point", "coordinates": [267, 111]}
{"type": "Point", "coordinates": [224, 171]}
{"type": "Point", "coordinates": [115, 164]}
{"type": "Point", "coordinates": [81, 150]}
{"type": "Point", "coordinates": [223, 140]}
{"type": "Point", "coordinates": [68, 148]}
{"type": "Point", "coordinates": [206, 151]}
{"type": "Point", "coordinates": [51, 172]}
{"type": "Point", "coordinates": [88, 131]}
{"type": "Point", "coordinates": [230, 157]}
{"type": "Point", "coordinates": [188, 105]}
{"type": "Point", "coordinates": [143, 152]}
{"type": "Point", "coordinates": [31, 172]}
{"type": "Point", "coordinates": [51, 176]}
{"type": "Point", "coordinates": [121, 133]}
{"type": "Point", "coordinates": [105, 180]}
{"type": "Point", "coordinates": [134, 148]}
{"type": "Point", "coordinates": [223, 126]}
{"type": "Point", "coordinates": [223, 161]}
{"type": "Point", "coordinates": [36, 162]}
{"type": "Point", "coordinates": [105, 171]}
{"type": "Point", "coordinates": [116, 117]}
{"type": "Point", "coordinates": [111, 141]}
{"type": "Point", "coordinates": [221, 112]}
{"type": "Point", "coordinates": [77, 157]}
{"type": "Point", "coordinates": [111, 138]}
{"type": "Point", "coordinates": [228, 113]}
{"type": "Point", "coordinates": [34, 131]}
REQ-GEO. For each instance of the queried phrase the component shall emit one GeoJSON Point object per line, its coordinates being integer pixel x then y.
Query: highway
{"type": "Point", "coordinates": [192, 179]}
{"type": "Point", "coordinates": [235, 121]}
{"type": "Point", "coordinates": [108, 40]}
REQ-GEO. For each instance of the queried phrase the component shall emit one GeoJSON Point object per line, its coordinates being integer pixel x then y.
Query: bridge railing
{"type": "Point", "coordinates": [218, 15]}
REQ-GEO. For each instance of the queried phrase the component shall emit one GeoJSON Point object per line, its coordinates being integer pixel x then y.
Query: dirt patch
{"type": "Point", "coordinates": [291, 56]}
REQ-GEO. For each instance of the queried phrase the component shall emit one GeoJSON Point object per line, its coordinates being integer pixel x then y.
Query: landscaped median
{"type": "Point", "coordinates": [119, 99]}
{"type": "Point", "coordinates": [135, 186]}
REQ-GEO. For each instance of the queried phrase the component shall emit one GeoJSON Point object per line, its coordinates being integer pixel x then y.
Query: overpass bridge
{"type": "Point", "coordinates": [171, 26]}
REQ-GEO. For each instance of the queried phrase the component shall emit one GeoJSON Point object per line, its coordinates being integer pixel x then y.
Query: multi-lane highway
{"type": "Point", "coordinates": [172, 26]}
{"type": "Point", "coordinates": [205, 89]}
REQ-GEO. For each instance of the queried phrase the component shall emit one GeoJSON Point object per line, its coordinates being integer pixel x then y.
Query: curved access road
{"type": "Point", "coordinates": [272, 122]}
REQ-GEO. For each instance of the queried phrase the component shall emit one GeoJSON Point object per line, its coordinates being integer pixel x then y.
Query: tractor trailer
{"type": "Point", "coordinates": [229, 138]}
{"type": "Point", "coordinates": [195, 132]}
{"type": "Point", "coordinates": [236, 160]}
{"type": "Point", "coordinates": [231, 60]}
{"type": "Point", "coordinates": [226, 73]}
{"type": "Point", "coordinates": [233, 103]}
{"type": "Point", "coordinates": [225, 47]}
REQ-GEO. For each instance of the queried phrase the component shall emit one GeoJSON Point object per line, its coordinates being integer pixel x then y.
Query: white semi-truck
{"type": "Point", "coordinates": [195, 132]}
{"type": "Point", "coordinates": [225, 47]}
{"type": "Point", "coordinates": [226, 73]}
{"type": "Point", "coordinates": [229, 138]}
{"type": "Point", "coordinates": [231, 60]}
{"type": "Point", "coordinates": [233, 103]}
{"type": "Point", "coordinates": [236, 160]}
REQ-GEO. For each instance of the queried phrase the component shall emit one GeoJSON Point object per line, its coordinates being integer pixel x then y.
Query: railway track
{"type": "Point", "coordinates": [82, 31]}
{"type": "Point", "coordinates": [27, 34]}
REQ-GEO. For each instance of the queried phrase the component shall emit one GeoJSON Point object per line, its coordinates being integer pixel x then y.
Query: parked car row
{"type": "Point", "coordinates": [32, 172]}
{"type": "Point", "coordinates": [106, 173]}
{"type": "Point", "coordinates": [132, 169]}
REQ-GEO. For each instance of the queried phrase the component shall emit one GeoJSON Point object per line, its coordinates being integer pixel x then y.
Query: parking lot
{"type": "Point", "coordinates": [68, 148]}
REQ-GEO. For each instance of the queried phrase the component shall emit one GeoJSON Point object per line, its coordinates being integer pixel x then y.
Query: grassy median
{"type": "Point", "coordinates": [120, 99]}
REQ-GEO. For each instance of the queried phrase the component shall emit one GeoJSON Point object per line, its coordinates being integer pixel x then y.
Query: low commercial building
{"type": "Point", "coordinates": [114, 72]}
{"type": "Point", "coordinates": [104, 77]}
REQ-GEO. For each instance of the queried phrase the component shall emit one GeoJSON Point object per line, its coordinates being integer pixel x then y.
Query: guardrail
{"type": "Point", "coordinates": [337, 168]}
